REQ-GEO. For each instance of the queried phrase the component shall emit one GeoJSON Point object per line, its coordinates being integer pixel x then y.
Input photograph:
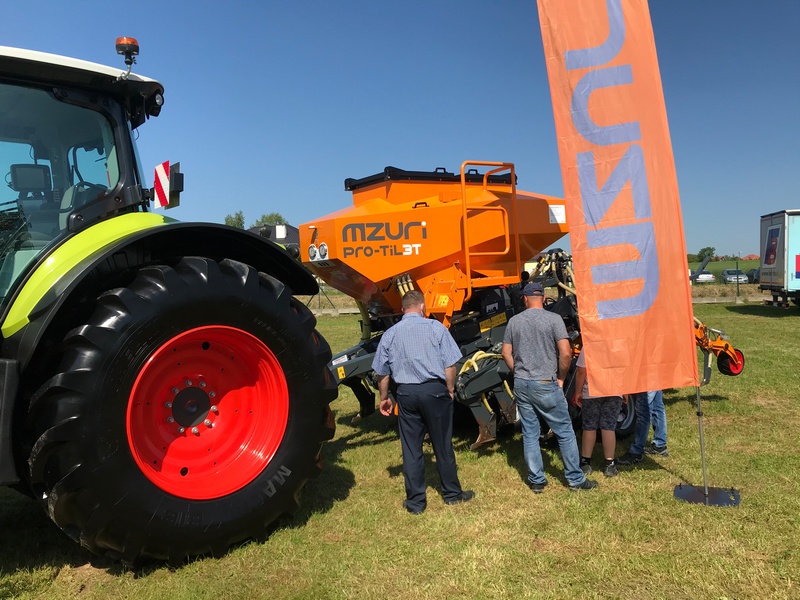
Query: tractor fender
{"type": "Point", "coordinates": [126, 243]}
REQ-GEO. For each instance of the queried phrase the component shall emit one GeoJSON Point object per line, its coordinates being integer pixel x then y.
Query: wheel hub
{"type": "Point", "coordinates": [191, 407]}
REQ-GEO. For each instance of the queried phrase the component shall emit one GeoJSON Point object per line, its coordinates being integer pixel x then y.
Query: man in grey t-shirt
{"type": "Point", "coordinates": [537, 351]}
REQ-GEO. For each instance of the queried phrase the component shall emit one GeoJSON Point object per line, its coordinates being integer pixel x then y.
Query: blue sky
{"type": "Point", "coordinates": [270, 105]}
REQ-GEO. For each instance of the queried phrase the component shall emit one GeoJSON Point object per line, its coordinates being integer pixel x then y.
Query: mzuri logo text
{"type": "Point", "coordinates": [382, 232]}
{"type": "Point", "coordinates": [378, 232]}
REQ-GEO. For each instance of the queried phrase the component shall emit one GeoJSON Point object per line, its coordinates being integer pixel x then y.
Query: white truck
{"type": "Point", "coordinates": [780, 256]}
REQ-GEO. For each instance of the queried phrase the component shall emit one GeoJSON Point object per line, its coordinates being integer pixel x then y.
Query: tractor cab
{"type": "Point", "coordinates": [66, 151]}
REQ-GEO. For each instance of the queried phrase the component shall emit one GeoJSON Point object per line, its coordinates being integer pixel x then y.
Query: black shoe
{"type": "Point", "coordinates": [463, 497]}
{"type": "Point", "coordinates": [659, 450]}
{"type": "Point", "coordinates": [586, 468]}
{"type": "Point", "coordinates": [610, 470]}
{"type": "Point", "coordinates": [587, 485]}
{"type": "Point", "coordinates": [629, 458]}
{"type": "Point", "coordinates": [413, 511]}
{"type": "Point", "coordinates": [537, 488]}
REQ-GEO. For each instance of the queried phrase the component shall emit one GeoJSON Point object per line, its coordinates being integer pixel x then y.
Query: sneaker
{"type": "Point", "coordinates": [587, 469]}
{"type": "Point", "coordinates": [537, 488]}
{"type": "Point", "coordinates": [587, 485]}
{"type": "Point", "coordinates": [629, 459]}
{"type": "Point", "coordinates": [462, 497]}
{"type": "Point", "coordinates": [659, 450]}
{"type": "Point", "coordinates": [611, 470]}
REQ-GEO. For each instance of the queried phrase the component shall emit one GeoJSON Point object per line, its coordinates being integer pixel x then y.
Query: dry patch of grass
{"type": "Point", "coordinates": [74, 580]}
{"type": "Point", "coordinates": [770, 400]}
{"type": "Point", "coordinates": [718, 290]}
{"type": "Point", "coordinates": [328, 299]}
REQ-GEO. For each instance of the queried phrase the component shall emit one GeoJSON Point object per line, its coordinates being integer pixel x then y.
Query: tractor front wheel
{"type": "Point", "coordinates": [184, 416]}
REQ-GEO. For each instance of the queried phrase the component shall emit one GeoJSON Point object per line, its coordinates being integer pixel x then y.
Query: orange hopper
{"type": "Point", "coordinates": [442, 233]}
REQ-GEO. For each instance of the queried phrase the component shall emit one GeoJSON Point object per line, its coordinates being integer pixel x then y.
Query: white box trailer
{"type": "Point", "coordinates": [780, 256]}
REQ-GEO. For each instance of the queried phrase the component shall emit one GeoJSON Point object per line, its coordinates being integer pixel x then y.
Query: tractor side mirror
{"type": "Point", "coordinates": [175, 185]}
{"type": "Point", "coordinates": [168, 185]}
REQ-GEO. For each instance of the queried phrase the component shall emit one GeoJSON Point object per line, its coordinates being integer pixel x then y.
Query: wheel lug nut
{"type": "Point", "coordinates": [214, 409]}
{"type": "Point", "coordinates": [175, 390]}
{"type": "Point", "coordinates": [181, 429]}
{"type": "Point", "coordinates": [188, 382]}
{"type": "Point", "coordinates": [167, 404]}
{"type": "Point", "coordinates": [202, 384]}
{"type": "Point", "coordinates": [170, 420]}
{"type": "Point", "coordinates": [208, 423]}
{"type": "Point", "coordinates": [195, 431]}
{"type": "Point", "coordinates": [212, 394]}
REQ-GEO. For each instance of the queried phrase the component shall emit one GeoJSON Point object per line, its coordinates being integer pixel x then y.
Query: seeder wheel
{"type": "Point", "coordinates": [727, 366]}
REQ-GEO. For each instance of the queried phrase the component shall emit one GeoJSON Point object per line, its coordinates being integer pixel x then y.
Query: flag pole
{"type": "Point", "coordinates": [709, 496]}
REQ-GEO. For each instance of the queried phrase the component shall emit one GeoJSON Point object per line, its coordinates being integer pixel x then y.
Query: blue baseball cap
{"type": "Point", "coordinates": [533, 289]}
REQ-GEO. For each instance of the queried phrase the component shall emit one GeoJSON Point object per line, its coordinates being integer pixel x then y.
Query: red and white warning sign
{"type": "Point", "coordinates": [161, 187]}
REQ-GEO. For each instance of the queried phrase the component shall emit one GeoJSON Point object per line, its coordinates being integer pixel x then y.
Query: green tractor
{"type": "Point", "coordinates": [164, 395]}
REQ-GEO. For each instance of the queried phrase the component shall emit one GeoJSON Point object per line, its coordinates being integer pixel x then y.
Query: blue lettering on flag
{"type": "Point", "coordinates": [596, 200]}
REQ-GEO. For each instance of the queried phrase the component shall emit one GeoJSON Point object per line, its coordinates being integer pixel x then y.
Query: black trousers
{"type": "Point", "coordinates": [426, 406]}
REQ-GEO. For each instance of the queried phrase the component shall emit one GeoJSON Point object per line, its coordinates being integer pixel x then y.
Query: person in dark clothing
{"type": "Point", "coordinates": [420, 355]}
{"type": "Point", "coordinates": [597, 412]}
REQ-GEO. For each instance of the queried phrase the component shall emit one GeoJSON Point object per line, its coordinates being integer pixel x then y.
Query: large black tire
{"type": "Point", "coordinates": [184, 416]}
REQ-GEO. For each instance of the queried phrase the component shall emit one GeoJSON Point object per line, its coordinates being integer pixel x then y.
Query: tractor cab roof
{"type": "Point", "coordinates": [140, 95]}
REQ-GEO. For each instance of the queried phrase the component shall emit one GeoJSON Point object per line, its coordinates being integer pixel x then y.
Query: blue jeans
{"type": "Point", "coordinates": [647, 404]}
{"type": "Point", "coordinates": [546, 399]}
{"type": "Point", "coordinates": [658, 417]}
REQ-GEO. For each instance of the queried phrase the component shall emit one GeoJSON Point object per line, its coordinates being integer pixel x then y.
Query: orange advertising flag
{"type": "Point", "coordinates": [621, 191]}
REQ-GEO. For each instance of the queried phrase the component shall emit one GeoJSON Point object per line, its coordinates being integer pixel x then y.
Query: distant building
{"type": "Point", "coordinates": [751, 257]}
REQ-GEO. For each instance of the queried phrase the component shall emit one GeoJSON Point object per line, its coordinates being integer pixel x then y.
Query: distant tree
{"type": "Point", "coordinates": [706, 252]}
{"type": "Point", "coordinates": [692, 258]}
{"type": "Point", "coordinates": [270, 219]}
{"type": "Point", "coordinates": [235, 220]}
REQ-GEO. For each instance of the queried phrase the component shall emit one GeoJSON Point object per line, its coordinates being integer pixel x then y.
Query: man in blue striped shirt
{"type": "Point", "coordinates": [421, 356]}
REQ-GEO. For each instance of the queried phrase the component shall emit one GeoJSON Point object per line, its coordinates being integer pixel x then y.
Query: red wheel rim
{"type": "Point", "coordinates": [207, 412]}
{"type": "Point", "coordinates": [736, 367]}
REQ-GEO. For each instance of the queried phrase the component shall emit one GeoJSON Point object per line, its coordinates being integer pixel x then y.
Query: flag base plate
{"type": "Point", "coordinates": [709, 496]}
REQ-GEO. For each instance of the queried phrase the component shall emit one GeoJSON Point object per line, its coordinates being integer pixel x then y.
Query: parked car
{"type": "Point", "coordinates": [754, 276]}
{"type": "Point", "coordinates": [733, 276]}
{"type": "Point", "coordinates": [705, 277]}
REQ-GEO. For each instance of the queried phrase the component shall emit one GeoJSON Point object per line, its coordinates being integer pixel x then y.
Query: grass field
{"type": "Point", "coordinates": [628, 539]}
